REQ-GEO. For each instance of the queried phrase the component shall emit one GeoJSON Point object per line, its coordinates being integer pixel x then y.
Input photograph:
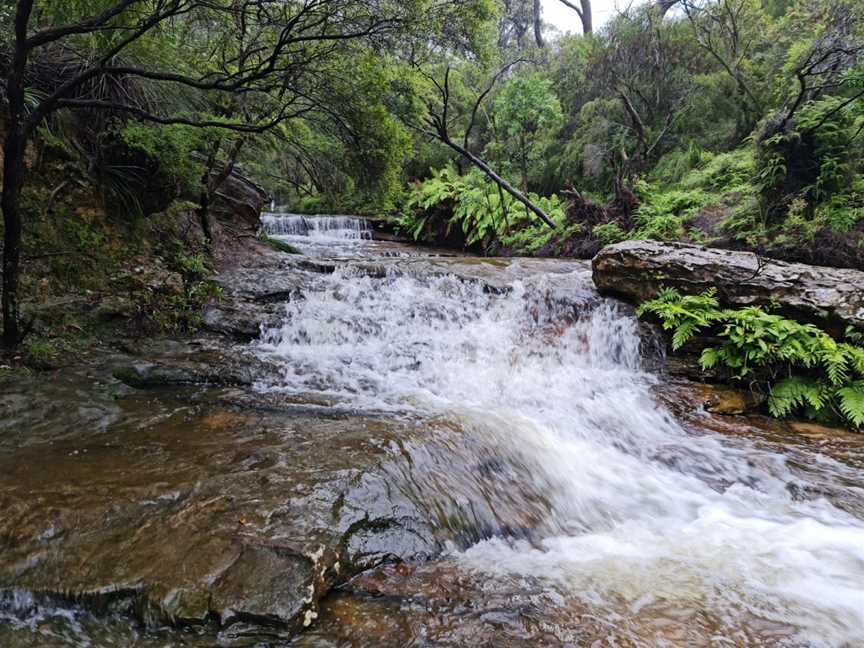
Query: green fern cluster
{"type": "Point", "coordinates": [476, 205]}
{"type": "Point", "coordinates": [806, 370]}
{"type": "Point", "coordinates": [661, 214]}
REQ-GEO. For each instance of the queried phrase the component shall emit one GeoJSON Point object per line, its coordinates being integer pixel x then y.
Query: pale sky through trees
{"type": "Point", "coordinates": [565, 19]}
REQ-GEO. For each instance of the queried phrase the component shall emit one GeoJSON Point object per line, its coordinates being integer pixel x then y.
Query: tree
{"type": "Point", "coordinates": [645, 65]}
{"type": "Point", "coordinates": [583, 10]}
{"type": "Point", "coordinates": [252, 64]}
{"type": "Point", "coordinates": [806, 148]}
{"type": "Point", "coordinates": [538, 24]}
{"type": "Point", "coordinates": [728, 31]}
{"type": "Point", "coordinates": [525, 110]}
{"type": "Point", "coordinates": [518, 18]}
{"type": "Point", "coordinates": [438, 122]}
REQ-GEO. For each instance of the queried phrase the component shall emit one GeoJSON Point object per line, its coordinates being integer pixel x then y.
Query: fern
{"type": "Point", "coordinates": [824, 378]}
{"type": "Point", "coordinates": [834, 360]}
{"type": "Point", "coordinates": [479, 210]}
{"type": "Point", "coordinates": [852, 402]}
{"type": "Point", "coordinates": [793, 393]}
{"type": "Point", "coordinates": [855, 356]}
{"type": "Point", "coordinates": [685, 316]}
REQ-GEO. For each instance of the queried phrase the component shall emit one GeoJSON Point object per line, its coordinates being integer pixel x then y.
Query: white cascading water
{"type": "Point", "coordinates": [332, 228]}
{"type": "Point", "coordinates": [645, 512]}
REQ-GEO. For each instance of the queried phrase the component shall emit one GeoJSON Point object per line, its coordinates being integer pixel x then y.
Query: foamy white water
{"type": "Point", "coordinates": [644, 512]}
{"type": "Point", "coordinates": [322, 228]}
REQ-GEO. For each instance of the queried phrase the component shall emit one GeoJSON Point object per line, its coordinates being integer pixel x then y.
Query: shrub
{"type": "Point", "coordinates": [805, 369]}
{"type": "Point", "coordinates": [661, 214]}
{"type": "Point", "coordinates": [483, 213]}
{"type": "Point", "coordinates": [173, 147]}
{"type": "Point", "coordinates": [725, 172]}
{"type": "Point", "coordinates": [608, 233]}
{"type": "Point", "coordinates": [41, 352]}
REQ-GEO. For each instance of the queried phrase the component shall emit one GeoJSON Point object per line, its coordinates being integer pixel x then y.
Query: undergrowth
{"type": "Point", "coordinates": [804, 370]}
{"type": "Point", "coordinates": [476, 206]}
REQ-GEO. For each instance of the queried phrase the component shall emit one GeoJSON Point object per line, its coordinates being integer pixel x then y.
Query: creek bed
{"type": "Point", "coordinates": [430, 450]}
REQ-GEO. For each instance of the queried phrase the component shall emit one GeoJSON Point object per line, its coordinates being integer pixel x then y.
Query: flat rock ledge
{"type": "Point", "coordinates": [636, 270]}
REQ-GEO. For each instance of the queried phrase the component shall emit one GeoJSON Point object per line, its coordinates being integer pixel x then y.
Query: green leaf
{"type": "Point", "coordinates": [852, 403]}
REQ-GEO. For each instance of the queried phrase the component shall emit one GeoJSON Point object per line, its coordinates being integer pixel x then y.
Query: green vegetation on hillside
{"type": "Point", "coordinates": [130, 128]}
{"type": "Point", "coordinates": [724, 122]}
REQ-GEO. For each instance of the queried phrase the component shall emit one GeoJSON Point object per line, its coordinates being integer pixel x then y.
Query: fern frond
{"type": "Point", "coordinates": [790, 394]}
{"type": "Point", "coordinates": [683, 332]}
{"type": "Point", "coordinates": [834, 362]}
{"type": "Point", "coordinates": [851, 402]}
{"type": "Point", "coordinates": [710, 357]}
{"type": "Point", "coordinates": [855, 354]}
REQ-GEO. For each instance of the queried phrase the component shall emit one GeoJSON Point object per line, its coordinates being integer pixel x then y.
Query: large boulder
{"type": "Point", "coordinates": [240, 197]}
{"type": "Point", "coordinates": [636, 270]}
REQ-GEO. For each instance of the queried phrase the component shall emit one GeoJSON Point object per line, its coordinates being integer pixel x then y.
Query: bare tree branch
{"type": "Point", "coordinates": [438, 121]}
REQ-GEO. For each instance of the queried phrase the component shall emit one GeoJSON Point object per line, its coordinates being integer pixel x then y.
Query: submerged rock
{"type": "Point", "coordinates": [183, 509]}
{"type": "Point", "coordinates": [239, 519]}
{"type": "Point", "coordinates": [148, 375]}
{"type": "Point", "coordinates": [636, 270]}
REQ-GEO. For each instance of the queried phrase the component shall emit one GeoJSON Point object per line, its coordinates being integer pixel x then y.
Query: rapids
{"type": "Point", "coordinates": [418, 448]}
{"type": "Point", "coordinates": [644, 514]}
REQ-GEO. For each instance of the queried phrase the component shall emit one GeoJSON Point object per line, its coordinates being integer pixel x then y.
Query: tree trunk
{"type": "Point", "coordinates": [494, 177]}
{"type": "Point", "coordinates": [13, 180]}
{"type": "Point", "coordinates": [583, 10]}
{"type": "Point", "coordinates": [585, 15]}
{"type": "Point", "coordinates": [210, 184]}
{"type": "Point", "coordinates": [203, 211]}
{"type": "Point", "coordinates": [538, 25]}
{"type": "Point", "coordinates": [13, 177]}
{"type": "Point", "coordinates": [665, 5]}
{"type": "Point", "coordinates": [523, 161]}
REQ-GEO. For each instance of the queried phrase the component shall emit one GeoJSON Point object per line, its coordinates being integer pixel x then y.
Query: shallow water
{"type": "Point", "coordinates": [504, 401]}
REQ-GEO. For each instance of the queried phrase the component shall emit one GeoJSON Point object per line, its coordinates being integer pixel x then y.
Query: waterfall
{"type": "Point", "coordinates": [317, 227]}
{"type": "Point", "coordinates": [643, 512]}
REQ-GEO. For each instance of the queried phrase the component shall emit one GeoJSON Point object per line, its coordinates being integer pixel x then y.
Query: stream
{"type": "Point", "coordinates": [495, 420]}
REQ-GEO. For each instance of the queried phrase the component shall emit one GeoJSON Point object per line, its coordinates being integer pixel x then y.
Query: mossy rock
{"type": "Point", "coordinates": [279, 246]}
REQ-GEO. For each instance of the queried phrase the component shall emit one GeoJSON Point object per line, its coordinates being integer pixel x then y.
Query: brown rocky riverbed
{"type": "Point", "coordinates": [415, 478]}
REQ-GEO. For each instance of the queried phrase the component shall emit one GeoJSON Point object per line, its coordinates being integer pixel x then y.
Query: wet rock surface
{"type": "Point", "coordinates": [153, 498]}
{"type": "Point", "coordinates": [818, 454]}
{"type": "Point", "coordinates": [440, 604]}
{"type": "Point", "coordinates": [184, 511]}
{"type": "Point", "coordinates": [636, 270]}
{"type": "Point", "coordinates": [219, 512]}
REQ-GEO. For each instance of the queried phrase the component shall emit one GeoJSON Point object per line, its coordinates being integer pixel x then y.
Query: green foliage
{"type": "Point", "coordinates": [608, 233]}
{"type": "Point", "coordinates": [279, 246]}
{"type": "Point", "coordinates": [832, 129]}
{"type": "Point", "coordinates": [661, 214]}
{"type": "Point", "coordinates": [527, 113]}
{"type": "Point", "coordinates": [181, 312]}
{"type": "Point", "coordinates": [684, 315]}
{"type": "Point", "coordinates": [673, 166]}
{"type": "Point", "coordinates": [475, 204]}
{"type": "Point", "coordinates": [41, 352]}
{"type": "Point", "coordinates": [172, 147]}
{"type": "Point", "coordinates": [527, 105]}
{"type": "Point", "coordinates": [806, 370]}
{"type": "Point", "coordinates": [193, 266]}
{"type": "Point", "coordinates": [723, 173]}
